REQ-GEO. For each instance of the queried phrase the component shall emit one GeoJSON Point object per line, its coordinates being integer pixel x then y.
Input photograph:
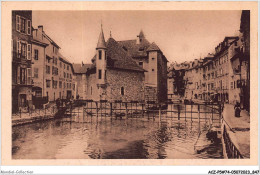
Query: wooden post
{"type": "Point", "coordinates": [97, 108]}
{"type": "Point", "coordinates": [191, 111]}
{"type": "Point", "coordinates": [199, 111]}
{"type": "Point", "coordinates": [185, 112]}
{"type": "Point", "coordinates": [178, 107]}
{"type": "Point", "coordinates": [83, 112]}
{"type": "Point", "coordinates": [91, 113]}
{"type": "Point", "coordinates": [159, 112]}
{"type": "Point", "coordinates": [126, 109]}
{"type": "Point", "coordinates": [111, 112]}
{"type": "Point", "coordinates": [212, 113]}
{"type": "Point", "coordinates": [142, 110]}
{"type": "Point", "coordinates": [101, 108]}
{"type": "Point", "coordinates": [171, 111]}
{"type": "Point", "coordinates": [105, 108]}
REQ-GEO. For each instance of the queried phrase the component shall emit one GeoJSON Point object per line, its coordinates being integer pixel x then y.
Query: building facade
{"type": "Point", "coordinates": [53, 74]}
{"type": "Point", "coordinates": [132, 70]}
{"type": "Point", "coordinates": [21, 60]}
{"type": "Point", "coordinates": [149, 57]}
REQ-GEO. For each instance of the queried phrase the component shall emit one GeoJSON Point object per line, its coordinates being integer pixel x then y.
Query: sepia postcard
{"type": "Point", "coordinates": [129, 83]}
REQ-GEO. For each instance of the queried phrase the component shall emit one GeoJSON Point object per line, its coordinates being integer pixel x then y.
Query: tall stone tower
{"type": "Point", "coordinates": [101, 63]}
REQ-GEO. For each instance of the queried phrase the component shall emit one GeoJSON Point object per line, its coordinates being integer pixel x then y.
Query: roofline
{"type": "Point", "coordinates": [109, 67]}
{"type": "Point", "coordinates": [50, 40]}
{"type": "Point", "coordinates": [39, 43]}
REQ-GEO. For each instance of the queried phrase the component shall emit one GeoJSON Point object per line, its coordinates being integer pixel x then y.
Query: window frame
{"type": "Point", "coordinates": [122, 91]}
{"type": "Point", "coordinates": [99, 74]}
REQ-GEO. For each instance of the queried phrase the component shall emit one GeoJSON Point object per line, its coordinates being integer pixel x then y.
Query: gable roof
{"type": "Point", "coordinates": [118, 58]}
{"type": "Point", "coordinates": [81, 68]}
{"type": "Point", "coordinates": [50, 40]}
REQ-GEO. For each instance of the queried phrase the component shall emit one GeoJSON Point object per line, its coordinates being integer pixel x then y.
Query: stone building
{"type": "Point", "coordinates": [21, 60]}
{"type": "Point", "coordinates": [52, 73]}
{"type": "Point", "coordinates": [113, 75]}
{"type": "Point", "coordinates": [131, 70]}
{"type": "Point", "coordinates": [149, 57]}
{"type": "Point", "coordinates": [245, 58]}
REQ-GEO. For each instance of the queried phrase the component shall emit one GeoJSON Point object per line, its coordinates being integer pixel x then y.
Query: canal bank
{"type": "Point", "coordinates": [235, 133]}
{"type": "Point", "coordinates": [35, 115]}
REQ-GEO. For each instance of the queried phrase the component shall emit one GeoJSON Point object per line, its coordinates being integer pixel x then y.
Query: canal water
{"type": "Point", "coordinates": [103, 138]}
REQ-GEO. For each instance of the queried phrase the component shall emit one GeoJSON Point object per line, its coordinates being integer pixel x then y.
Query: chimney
{"type": "Point", "coordinates": [40, 28]}
{"type": "Point", "coordinates": [137, 39]}
{"type": "Point", "coordinates": [39, 33]}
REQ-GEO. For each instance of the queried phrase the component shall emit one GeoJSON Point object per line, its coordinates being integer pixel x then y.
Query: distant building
{"type": "Point", "coordinates": [220, 77]}
{"type": "Point", "coordinates": [21, 60]}
{"type": "Point", "coordinates": [81, 79]}
{"type": "Point", "coordinates": [176, 82]}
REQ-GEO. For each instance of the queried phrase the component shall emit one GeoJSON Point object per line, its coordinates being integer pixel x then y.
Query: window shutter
{"type": "Point", "coordinates": [29, 75]}
{"type": "Point", "coordinates": [28, 51]}
{"type": "Point", "coordinates": [18, 48]}
{"type": "Point", "coordinates": [29, 27]}
{"type": "Point", "coordinates": [18, 23]}
{"type": "Point", "coordinates": [18, 75]}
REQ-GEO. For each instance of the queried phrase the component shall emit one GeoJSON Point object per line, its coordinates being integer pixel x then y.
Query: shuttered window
{"type": "Point", "coordinates": [28, 51]}
{"type": "Point", "coordinates": [18, 49]}
{"type": "Point", "coordinates": [29, 27]}
{"type": "Point", "coordinates": [18, 23]}
{"type": "Point", "coordinates": [29, 76]}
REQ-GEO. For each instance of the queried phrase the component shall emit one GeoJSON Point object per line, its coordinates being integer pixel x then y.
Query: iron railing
{"type": "Point", "coordinates": [231, 150]}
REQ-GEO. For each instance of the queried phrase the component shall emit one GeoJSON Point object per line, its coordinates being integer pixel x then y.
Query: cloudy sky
{"type": "Point", "coordinates": [181, 35]}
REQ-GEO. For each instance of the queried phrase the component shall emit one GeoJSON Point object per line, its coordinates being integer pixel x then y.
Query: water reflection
{"type": "Point", "coordinates": [103, 138]}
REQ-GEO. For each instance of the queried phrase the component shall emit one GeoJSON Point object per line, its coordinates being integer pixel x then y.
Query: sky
{"type": "Point", "coordinates": [181, 35]}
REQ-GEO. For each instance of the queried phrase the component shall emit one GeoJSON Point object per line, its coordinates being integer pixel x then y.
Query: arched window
{"type": "Point", "coordinates": [122, 91]}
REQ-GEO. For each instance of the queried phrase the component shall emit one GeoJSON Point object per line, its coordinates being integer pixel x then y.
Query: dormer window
{"type": "Point", "coordinates": [141, 49]}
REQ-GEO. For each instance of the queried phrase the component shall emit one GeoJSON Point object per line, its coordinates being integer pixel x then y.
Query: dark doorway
{"type": "Point", "coordinates": [68, 94]}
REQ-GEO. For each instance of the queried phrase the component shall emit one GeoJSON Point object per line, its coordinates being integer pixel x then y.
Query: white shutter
{"type": "Point", "coordinates": [18, 49]}
{"type": "Point", "coordinates": [18, 23]}
{"type": "Point", "coordinates": [29, 27]}
{"type": "Point", "coordinates": [28, 51]}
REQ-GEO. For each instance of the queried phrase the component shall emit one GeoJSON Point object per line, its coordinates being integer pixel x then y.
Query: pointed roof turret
{"type": "Point", "coordinates": [101, 40]}
{"type": "Point", "coordinates": [141, 34]}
